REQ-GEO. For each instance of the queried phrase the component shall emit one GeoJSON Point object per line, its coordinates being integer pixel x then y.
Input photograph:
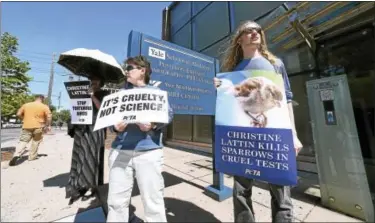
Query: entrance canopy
{"type": "Point", "coordinates": [317, 18]}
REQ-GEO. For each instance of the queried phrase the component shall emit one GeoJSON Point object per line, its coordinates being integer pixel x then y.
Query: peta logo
{"type": "Point", "coordinates": [153, 52]}
{"type": "Point", "coordinates": [155, 83]}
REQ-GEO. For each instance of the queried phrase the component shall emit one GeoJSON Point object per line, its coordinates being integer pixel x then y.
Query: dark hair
{"type": "Point", "coordinates": [142, 62]}
{"type": "Point", "coordinates": [98, 78]}
{"type": "Point", "coordinates": [39, 96]}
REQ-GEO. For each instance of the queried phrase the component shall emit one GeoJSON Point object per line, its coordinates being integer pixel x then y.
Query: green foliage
{"type": "Point", "coordinates": [55, 116]}
{"type": "Point", "coordinates": [14, 80]}
{"type": "Point", "coordinates": [63, 115]}
{"type": "Point", "coordinates": [52, 108]}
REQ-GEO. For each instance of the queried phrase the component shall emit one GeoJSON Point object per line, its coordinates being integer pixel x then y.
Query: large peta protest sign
{"type": "Point", "coordinates": [187, 75]}
{"type": "Point", "coordinates": [81, 103]}
{"type": "Point", "coordinates": [132, 106]}
{"type": "Point", "coordinates": [254, 137]}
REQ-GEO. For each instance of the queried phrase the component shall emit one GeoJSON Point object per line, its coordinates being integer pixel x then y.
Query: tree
{"type": "Point", "coordinates": [52, 107]}
{"type": "Point", "coordinates": [64, 115]}
{"type": "Point", "coordinates": [14, 80]}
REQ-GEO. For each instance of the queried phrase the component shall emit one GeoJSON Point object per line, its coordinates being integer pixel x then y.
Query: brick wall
{"type": "Point", "coordinates": [7, 153]}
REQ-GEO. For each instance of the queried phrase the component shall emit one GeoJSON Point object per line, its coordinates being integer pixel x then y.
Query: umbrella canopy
{"type": "Point", "coordinates": [88, 63]}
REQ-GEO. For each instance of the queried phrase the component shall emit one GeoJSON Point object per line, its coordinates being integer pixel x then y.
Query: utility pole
{"type": "Point", "coordinates": [58, 108]}
{"type": "Point", "coordinates": [51, 81]}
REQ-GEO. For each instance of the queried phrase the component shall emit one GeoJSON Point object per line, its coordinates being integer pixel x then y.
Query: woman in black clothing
{"type": "Point", "coordinates": [86, 172]}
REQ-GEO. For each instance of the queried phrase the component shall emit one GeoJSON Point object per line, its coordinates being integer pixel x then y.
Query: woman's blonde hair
{"type": "Point", "coordinates": [233, 54]}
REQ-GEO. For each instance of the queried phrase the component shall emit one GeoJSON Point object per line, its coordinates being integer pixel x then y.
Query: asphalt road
{"type": "Point", "coordinates": [9, 134]}
{"type": "Point", "coordinates": [14, 133]}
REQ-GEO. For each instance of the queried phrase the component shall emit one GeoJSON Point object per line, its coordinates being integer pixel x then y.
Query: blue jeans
{"type": "Point", "coordinates": [281, 202]}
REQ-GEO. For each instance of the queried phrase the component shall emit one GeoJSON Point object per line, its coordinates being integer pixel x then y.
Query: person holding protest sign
{"type": "Point", "coordinates": [86, 171]}
{"type": "Point", "coordinates": [137, 151]}
{"type": "Point", "coordinates": [248, 51]}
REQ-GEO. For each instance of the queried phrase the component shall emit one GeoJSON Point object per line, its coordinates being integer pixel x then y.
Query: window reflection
{"type": "Point", "coordinates": [217, 49]}
{"type": "Point", "coordinates": [251, 10]}
{"type": "Point", "coordinates": [298, 59]}
{"type": "Point", "coordinates": [202, 128]}
{"type": "Point", "coordinates": [301, 111]}
{"type": "Point", "coordinates": [180, 14]}
{"type": "Point", "coordinates": [183, 36]}
{"type": "Point", "coordinates": [218, 27]}
{"type": "Point", "coordinates": [354, 55]}
{"type": "Point", "coordinates": [198, 6]}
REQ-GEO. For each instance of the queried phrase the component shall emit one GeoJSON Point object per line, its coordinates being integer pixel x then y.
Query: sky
{"type": "Point", "coordinates": [44, 28]}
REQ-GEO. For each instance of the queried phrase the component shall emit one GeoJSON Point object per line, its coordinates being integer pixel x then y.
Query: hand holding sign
{"type": "Point", "coordinates": [120, 127]}
{"type": "Point", "coordinates": [90, 91]}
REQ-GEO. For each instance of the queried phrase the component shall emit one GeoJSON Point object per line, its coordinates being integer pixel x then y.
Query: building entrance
{"type": "Point", "coordinates": [353, 54]}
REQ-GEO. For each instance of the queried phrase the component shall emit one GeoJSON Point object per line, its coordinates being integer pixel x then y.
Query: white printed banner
{"type": "Point", "coordinates": [133, 106]}
{"type": "Point", "coordinates": [81, 111]}
{"type": "Point", "coordinates": [80, 101]}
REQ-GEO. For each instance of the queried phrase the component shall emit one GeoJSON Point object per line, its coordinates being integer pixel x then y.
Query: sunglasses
{"type": "Point", "coordinates": [131, 67]}
{"type": "Point", "coordinates": [251, 29]}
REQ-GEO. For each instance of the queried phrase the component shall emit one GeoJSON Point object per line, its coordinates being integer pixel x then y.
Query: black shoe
{"type": "Point", "coordinates": [89, 194]}
{"type": "Point", "coordinates": [13, 161]}
{"type": "Point", "coordinates": [73, 199]}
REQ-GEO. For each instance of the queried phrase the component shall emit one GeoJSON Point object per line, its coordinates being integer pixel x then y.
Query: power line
{"type": "Point", "coordinates": [40, 69]}
{"type": "Point", "coordinates": [35, 61]}
{"type": "Point", "coordinates": [30, 55]}
{"type": "Point", "coordinates": [39, 81]}
{"type": "Point", "coordinates": [44, 70]}
{"type": "Point", "coordinates": [33, 52]}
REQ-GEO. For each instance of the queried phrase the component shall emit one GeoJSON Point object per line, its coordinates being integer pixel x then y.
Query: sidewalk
{"type": "Point", "coordinates": [187, 174]}
{"type": "Point", "coordinates": [34, 191]}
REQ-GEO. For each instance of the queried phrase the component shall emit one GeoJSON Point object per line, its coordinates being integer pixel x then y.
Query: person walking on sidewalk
{"type": "Point", "coordinates": [37, 118]}
{"type": "Point", "coordinates": [137, 151]}
{"type": "Point", "coordinates": [248, 51]}
{"type": "Point", "coordinates": [86, 171]}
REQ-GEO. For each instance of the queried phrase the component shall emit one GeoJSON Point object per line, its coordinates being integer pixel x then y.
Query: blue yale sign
{"type": "Point", "coordinates": [185, 74]}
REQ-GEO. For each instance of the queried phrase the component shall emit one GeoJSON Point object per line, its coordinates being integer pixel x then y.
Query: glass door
{"type": "Point", "coordinates": [353, 54]}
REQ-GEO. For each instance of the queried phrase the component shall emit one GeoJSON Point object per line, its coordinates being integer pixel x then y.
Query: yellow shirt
{"type": "Point", "coordinates": [34, 114]}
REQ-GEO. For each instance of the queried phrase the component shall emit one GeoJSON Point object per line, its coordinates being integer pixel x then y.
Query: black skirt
{"type": "Point", "coordinates": [87, 161]}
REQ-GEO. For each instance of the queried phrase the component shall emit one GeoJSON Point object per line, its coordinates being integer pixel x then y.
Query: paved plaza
{"type": "Point", "coordinates": [35, 191]}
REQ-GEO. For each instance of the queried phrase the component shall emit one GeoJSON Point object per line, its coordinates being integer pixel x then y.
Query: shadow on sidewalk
{"type": "Point", "coordinates": [185, 211]}
{"type": "Point", "coordinates": [176, 210]}
{"type": "Point", "coordinates": [24, 158]}
{"type": "Point", "coordinates": [92, 213]}
{"type": "Point", "coordinates": [60, 180]}
{"type": "Point", "coordinates": [296, 192]}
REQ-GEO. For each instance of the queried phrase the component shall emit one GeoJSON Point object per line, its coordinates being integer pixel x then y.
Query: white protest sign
{"type": "Point", "coordinates": [80, 101]}
{"type": "Point", "coordinates": [81, 111]}
{"type": "Point", "coordinates": [131, 106]}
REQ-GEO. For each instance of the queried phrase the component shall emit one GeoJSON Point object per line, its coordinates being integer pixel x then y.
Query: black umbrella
{"type": "Point", "coordinates": [88, 63]}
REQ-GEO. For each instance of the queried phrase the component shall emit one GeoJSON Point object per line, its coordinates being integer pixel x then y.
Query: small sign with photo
{"type": "Point", "coordinates": [327, 95]}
